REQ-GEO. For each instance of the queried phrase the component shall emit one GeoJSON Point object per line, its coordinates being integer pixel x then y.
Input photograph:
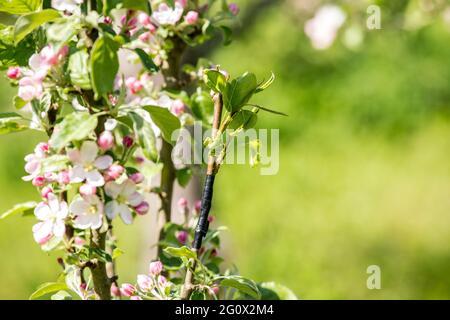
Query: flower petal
{"type": "Point", "coordinates": [83, 221]}
{"type": "Point", "coordinates": [103, 162]}
{"type": "Point", "coordinates": [59, 229]}
{"type": "Point", "coordinates": [95, 178]}
{"type": "Point", "coordinates": [63, 211]}
{"type": "Point", "coordinates": [42, 211]}
{"type": "Point", "coordinates": [74, 155]}
{"type": "Point", "coordinates": [88, 151]}
{"type": "Point", "coordinates": [135, 199]}
{"type": "Point", "coordinates": [53, 203]}
{"type": "Point", "coordinates": [42, 232]}
{"type": "Point", "coordinates": [112, 209]}
{"type": "Point", "coordinates": [79, 206]}
{"type": "Point", "coordinates": [77, 174]}
{"type": "Point", "coordinates": [128, 188]}
{"type": "Point", "coordinates": [113, 189]}
{"type": "Point", "coordinates": [125, 214]}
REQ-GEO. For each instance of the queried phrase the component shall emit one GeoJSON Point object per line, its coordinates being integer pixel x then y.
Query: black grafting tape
{"type": "Point", "coordinates": [203, 224]}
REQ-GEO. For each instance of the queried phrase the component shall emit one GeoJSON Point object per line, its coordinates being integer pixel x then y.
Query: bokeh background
{"type": "Point", "coordinates": [364, 160]}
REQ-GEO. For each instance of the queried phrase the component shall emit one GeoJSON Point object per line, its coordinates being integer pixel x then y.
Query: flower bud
{"type": "Point", "coordinates": [155, 268]}
{"type": "Point", "coordinates": [144, 282]}
{"type": "Point", "coordinates": [182, 236]}
{"type": "Point", "coordinates": [234, 8]}
{"type": "Point", "coordinates": [127, 289]}
{"type": "Point", "coordinates": [64, 177]}
{"type": "Point", "coordinates": [215, 289]}
{"type": "Point", "coordinates": [178, 107]}
{"type": "Point", "coordinates": [105, 140]}
{"type": "Point", "coordinates": [13, 72]}
{"type": "Point", "coordinates": [41, 149]}
{"type": "Point", "coordinates": [139, 160]}
{"type": "Point", "coordinates": [50, 176]}
{"type": "Point", "coordinates": [145, 37]}
{"type": "Point", "coordinates": [137, 177]}
{"type": "Point", "coordinates": [127, 141]}
{"type": "Point", "coordinates": [83, 286]}
{"type": "Point", "coordinates": [142, 208]}
{"type": "Point", "coordinates": [182, 204]}
{"type": "Point", "coordinates": [135, 298]}
{"type": "Point", "coordinates": [115, 292]}
{"type": "Point", "coordinates": [134, 85]}
{"type": "Point", "coordinates": [191, 17]}
{"type": "Point", "coordinates": [144, 18]}
{"type": "Point", "coordinates": [162, 281]}
{"type": "Point", "coordinates": [214, 252]}
{"type": "Point", "coordinates": [114, 172]}
{"type": "Point", "coordinates": [107, 20]}
{"type": "Point", "coordinates": [38, 181]}
{"type": "Point", "coordinates": [45, 192]}
{"type": "Point", "coordinates": [88, 190]}
{"type": "Point", "coordinates": [79, 241]}
{"type": "Point", "coordinates": [211, 219]}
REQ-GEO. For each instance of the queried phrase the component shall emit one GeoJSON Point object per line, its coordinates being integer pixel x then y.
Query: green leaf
{"type": "Point", "coordinates": [117, 253]}
{"type": "Point", "coordinates": [79, 70]}
{"type": "Point", "coordinates": [47, 288]}
{"type": "Point", "coordinates": [146, 60]}
{"type": "Point", "coordinates": [28, 22]}
{"type": "Point", "coordinates": [215, 80]}
{"type": "Point", "coordinates": [21, 208]}
{"type": "Point", "coordinates": [104, 64]}
{"type": "Point", "coordinates": [184, 176]}
{"type": "Point", "coordinates": [54, 163]}
{"type": "Point", "coordinates": [146, 136]}
{"type": "Point", "coordinates": [12, 55]}
{"type": "Point", "coordinates": [239, 91]}
{"type": "Point", "coordinates": [10, 127]}
{"type": "Point", "coordinates": [19, 6]}
{"type": "Point", "coordinates": [282, 292]}
{"type": "Point", "coordinates": [243, 119]}
{"type": "Point", "coordinates": [181, 252]}
{"type": "Point", "coordinates": [74, 127]}
{"type": "Point", "coordinates": [100, 254]}
{"type": "Point", "coordinates": [62, 30]}
{"type": "Point", "coordinates": [265, 84]}
{"type": "Point", "coordinates": [198, 295]}
{"type": "Point", "coordinates": [165, 120]}
{"type": "Point", "coordinates": [227, 34]}
{"type": "Point", "coordinates": [61, 295]}
{"type": "Point", "coordinates": [19, 103]}
{"type": "Point", "coordinates": [142, 5]}
{"type": "Point", "coordinates": [269, 110]}
{"type": "Point", "coordinates": [202, 106]}
{"type": "Point", "coordinates": [6, 116]}
{"type": "Point", "coordinates": [242, 284]}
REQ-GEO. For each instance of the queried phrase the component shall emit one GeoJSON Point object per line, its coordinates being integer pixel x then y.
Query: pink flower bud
{"type": "Point", "coordinates": [113, 99]}
{"type": "Point", "coordinates": [13, 72]}
{"type": "Point", "coordinates": [145, 37]}
{"type": "Point", "coordinates": [182, 204]}
{"type": "Point", "coordinates": [105, 140]}
{"type": "Point", "coordinates": [211, 219]}
{"type": "Point", "coordinates": [234, 8]}
{"type": "Point", "coordinates": [139, 160]}
{"type": "Point", "coordinates": [46, 191]}
{"type": "Point", "coordinates": [50, 176]}
{"type": "Point", "coordinates": [145, 283]}
{"type": "Point", "coordinates": [114, 172]}
{"type": "Point", "coordinates": [79, 241]}
{"type": "Point", "coordinates": [215, 289]}
{"type": "Point", "coordinates": [182, 236]}
{"type": "Point", "coordinates": [135, 298]}
{"type": "Point", "coordinates": [178, 107]}
{"type": "Point", "coordinates": [198, 206]}
{"type": "Point", "coordinates": [123, 20]}
{"type": "Point", "coordinates": [115, 292]}
{"type": "Point", "coordinates": [162, 281]}
{"type": "Point", "coordinates": [127, 289]}
{"type": "Point", "coordinates": [41, 149]}
{"type": "Point", "coordinates": [83, 286]}
{"type": "Point", "coordinates": [183, 3]}
{"type": "Point", "coordinates": [191, 17]}
{"type": "Point", "coordinates": [64, 177]}
{"type": "Point", "coordinates": [107, 20]}
{"type": "Point", "coordinates": [127, 141]}
{"type": "Point", "coordinates": [38, 181]}
{"type": "Point", "coordinates": [214, 252]}
{"type": "Point", "coordinates": [151, 27]}
{"type": "Point", "coordinates": [155, 268]}
{"type": "Point", "coordinates": [137, 177]}
{"type": "Point", "coordinates": [88, 190]}
{"type": "Point", "coordinates": [134, 85]}
{"type": "Point", "coordinates": [144, 19]}
{"type": "Point", "coordinates": [142, 208]}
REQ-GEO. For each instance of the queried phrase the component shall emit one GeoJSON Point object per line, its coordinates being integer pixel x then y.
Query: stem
{"type": "Point", "coordinates": [203, 224]}
{"type": "Point", "coordinates": [102, 284]}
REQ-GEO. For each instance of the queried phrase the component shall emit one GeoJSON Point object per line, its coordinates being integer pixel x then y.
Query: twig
{"type": "Point", "coordinates": [203, 223]}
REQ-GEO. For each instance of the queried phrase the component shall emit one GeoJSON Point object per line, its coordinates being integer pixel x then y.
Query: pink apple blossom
{"type": "Point", "coordinates": [166, 15]}
{"type": "Point", "coordinates": [51, 215]}
{"type": "Point", "coordinates": [64, 177]}
{"type": "Point", "coordinates": [137, 177]}
{"type": "Point", "coordinates": [134, 85]}
{"type": "Point", "coordinates": [88, 211]}
{"type": "Point", "coordinates": [115, 291]}
{"type": "Point", "coordinates": [46, 191]}
{"type": "Point", "coordinates": [38, 181]}
{"type": "Point", "coordinates": [198, 206]}
{"type": "Point", "coordinates": [114, 172]}
{"type": "Point", "coordinates": [87, 164]}
{"type": "Point", "coordinates": [88, 190]}
{"type": "Point", "coordinates": [145, 283]}
{"type": "Point", "coordinates": [178, 107]}
{"type": "Point", "coordinates": [123, 195]}
{"type": "Point", "coordinates": [144, 19]}
{"type": "Point", "coordinates": [182, 204]}
{"type": "Point", "coordinates": [191, 17]}
{"type": "Point", "coordinates": [145, 37]}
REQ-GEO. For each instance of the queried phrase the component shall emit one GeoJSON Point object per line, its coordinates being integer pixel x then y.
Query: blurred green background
{"type": "Point", "coordinates": [364, 173]}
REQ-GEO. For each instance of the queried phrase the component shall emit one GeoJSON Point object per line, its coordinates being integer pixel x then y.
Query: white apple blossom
{"type": "Point", "coordinates": [123, 195]}
{"type": "Point", "coordinates": [71, 6]}
{"type": "Point", "coordinates": [322, 28]}
{"type": "Point", "coordinates": [166, 15]}
{"type": "Point", "coordinates": [33, 161]}
{"type": "Point", "coordinates": [87, 164]}
{"type": "Point", "coordinates": [52, 215]}
{"type": "Point", "coordinates": [88, 211]}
